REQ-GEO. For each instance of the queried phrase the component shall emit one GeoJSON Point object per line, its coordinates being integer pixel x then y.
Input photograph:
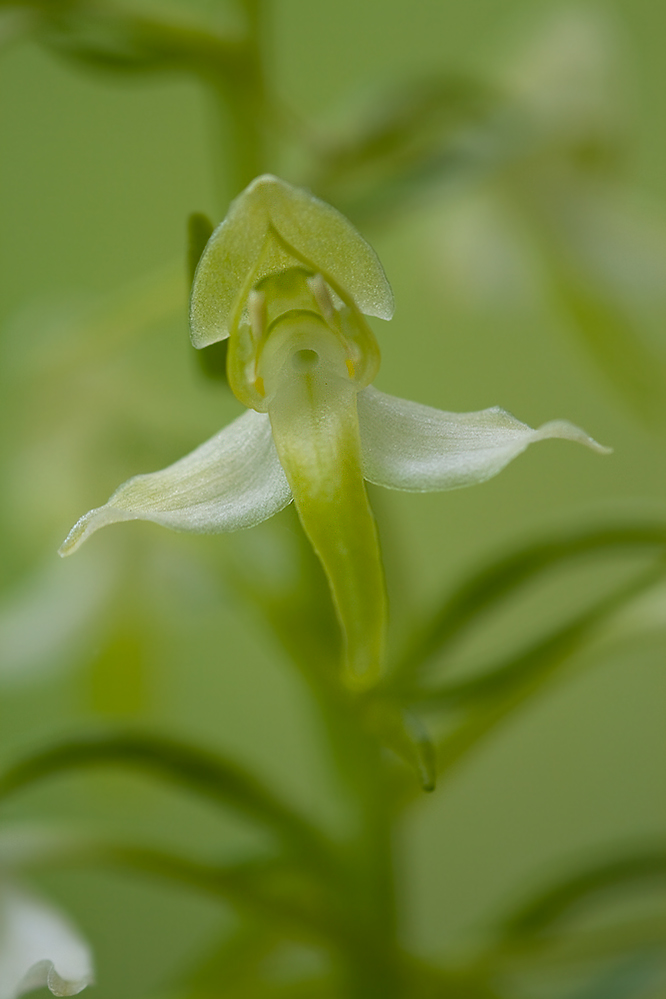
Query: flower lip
{"type": "Point", "coordinates": [300, 342]}
{"type": "Point", "coordinates": [304, 359]}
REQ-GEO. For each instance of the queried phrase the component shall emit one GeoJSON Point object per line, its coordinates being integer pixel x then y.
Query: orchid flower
{"type": "Point", "coordinates": [289, 280]}
{"type": "Point", "coordinates": [39, 947]}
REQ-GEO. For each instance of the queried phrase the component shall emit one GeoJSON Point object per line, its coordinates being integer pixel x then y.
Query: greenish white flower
{"type": "Point", "coordinates": [39, 947]}
{"type": "Point", "coordinates": [289, 281]}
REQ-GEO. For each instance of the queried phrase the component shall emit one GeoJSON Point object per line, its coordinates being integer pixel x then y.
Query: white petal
{"type": "Point", "coordinates": [234, 480]}
{"type": "Point", "coordinates": [38, 947]}
{"type": "Point", "coordinates": [413, 447]}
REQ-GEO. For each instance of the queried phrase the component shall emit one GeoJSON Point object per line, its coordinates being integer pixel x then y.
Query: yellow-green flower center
{"type": "Point", "coordinates": [297, 323]}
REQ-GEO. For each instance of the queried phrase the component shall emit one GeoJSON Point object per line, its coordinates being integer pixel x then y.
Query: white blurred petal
{"type": "Point", "coordinates": [487, 256]}
{"type": "Point", "coordinates": [567, 74]}
{"type": "Point", "coordinates": [232, 481]}
{"type": "Point", "coordinates": [44, 621]}
{"type": "Point", "coordinates": [419, 449]}
{"type": "Point", "coordinates": [39, 947]}
{"type": "Point", "coordinates": [617, 241]}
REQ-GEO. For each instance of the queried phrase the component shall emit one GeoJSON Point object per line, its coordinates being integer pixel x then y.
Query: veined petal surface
{"type": "Point", "coordinates": [406, 445]}
{"type": "Point", "coordinates": [238, 249]}
{"type": "Point", "coordinates": [39, 947]}
{"type": "Point", "coordinates": [232, 481]}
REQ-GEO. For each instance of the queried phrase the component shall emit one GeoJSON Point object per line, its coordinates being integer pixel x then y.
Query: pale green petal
{"type": "Point", "coordinates": [409, 446]}
{"type": "Point", "coordinates": [234, 480]}
{"type": "Point", "coordinates": [39, 947]}
{"type": "Point", "coordinates": [239, 254]}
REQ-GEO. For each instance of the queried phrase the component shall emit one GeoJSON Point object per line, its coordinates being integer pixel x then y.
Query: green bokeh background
{"type": "Point", "coordinates": [97, 177]}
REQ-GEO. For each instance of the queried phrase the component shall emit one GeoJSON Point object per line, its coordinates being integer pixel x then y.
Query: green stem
{"type": "Point", "coordinates": [371, 954]}
{"type": "Point", "coordinates": [367, 897]}
{"type": "Point", "coordinates": [239, 90]}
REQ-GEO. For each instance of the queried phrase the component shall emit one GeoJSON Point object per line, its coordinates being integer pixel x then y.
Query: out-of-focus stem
{"type": "Point", "coordinates": [367, 898]}
{"type": "Point", "coordinates": [371, 955]}
{"type": "Point", "coordinates": [242, 110]}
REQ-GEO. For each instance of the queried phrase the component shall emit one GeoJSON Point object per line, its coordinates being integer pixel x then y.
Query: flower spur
{"type": "Point", "coordinates": [289, 280]}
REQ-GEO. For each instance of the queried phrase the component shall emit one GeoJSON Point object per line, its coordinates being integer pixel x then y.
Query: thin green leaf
{"type": "Point", "coordinates": [261, 888]}
{"type": "Point", "coordinates": [404, 733]}
{"type": "Point", "coordinates": [514, 682]}
{"type": "Point", "coordinates": [623, 957]}
{"type": "Point", "coordinates": [425, 752]}
{"type": "Point", "coordinates": [126, 40]}
{"type": "Point", "coordinates": [500, 679]}
{"type": "Point", "coordinates": [221, 781]}
{"type": "Point", "coordinates": [614, 340]}
{"type": "Point", "coordinates": [485, 590]}
{"type": "Point", "coordinates": [555, 934]}
{"type": "Point", "coordinates": [587, 887]}
{"type": "Point", "coordinates": [283, 894]}
{"type": "Point", "coordinates": [575, 947]}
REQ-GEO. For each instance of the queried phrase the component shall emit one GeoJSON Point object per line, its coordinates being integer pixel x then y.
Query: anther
{"type": "Point", "coordinates": [322, 295]}
{"type": "Point", "coordinates": [256, 307]}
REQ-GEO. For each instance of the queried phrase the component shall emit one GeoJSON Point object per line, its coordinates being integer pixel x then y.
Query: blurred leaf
{"type": "Point", "coordinates": [589, 886]}
{"type": "Point", "coordinates": [482, 592]}
{"type": "Point", "coordinates": [281, 895]}
{"type": "Point", "coordinates": [626, 963]}
{"type": "Point", "coordinates": [555, 935]}
{"type": "Point", "coordinates": [254, 961]}
{"type": "Point", "coordinates": [503, 689]}
{"type": "Point", "coordinates": [213, 358]}
{"type": "Point", "coordinates": [411, 135]}
{"type": "Point", "coordinates": [199, 231]}
{"type": "Point", "coordinates": [64, 339]}
{"type": "Point", "coordinates": [501, 679]}
{"type": "Point", "coordinates": [201, 772]}
{"type": "Point", "coordinates": [640, 975]}
{"type": "Point", "coordinates": [404, 733]}
{"type": "Point", "coordinates": [614, 340]}
{"type": "Point", "coordinates": [131, 38]}
{"type": "Point", "coordinates": [233, 961]}
{"type": "Point", "coordinates": [276, 569]}
{"type": "Point", "coordinates": [284, 894]}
